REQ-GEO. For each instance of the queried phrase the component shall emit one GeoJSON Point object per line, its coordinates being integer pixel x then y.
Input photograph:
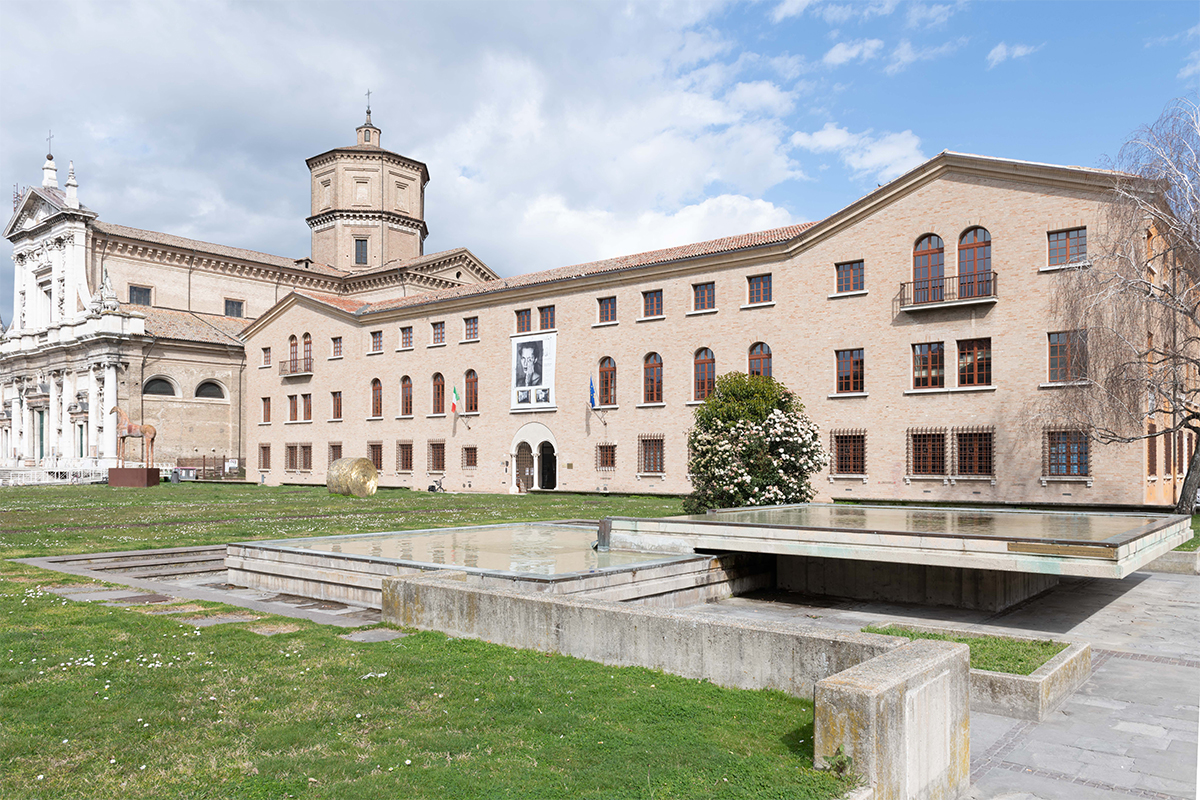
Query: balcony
{"type": "Point", "coordinates": [950, 290]}
{"type": "Point", "coordinates": [296, 367]}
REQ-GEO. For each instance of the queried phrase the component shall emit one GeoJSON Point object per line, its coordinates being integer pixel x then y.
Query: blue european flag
{"type": "Point", "coordinates": [592, 391]}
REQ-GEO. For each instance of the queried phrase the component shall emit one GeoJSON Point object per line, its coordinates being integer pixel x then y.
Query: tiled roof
{"type": "Point", "coordinates": [170, 240]}
{"type": "Point", "coordinates": [348, 304]}
{"type": "Point", "coordinates": [189, 326]}
{"type": "Point", "coordinates": [726, 244]}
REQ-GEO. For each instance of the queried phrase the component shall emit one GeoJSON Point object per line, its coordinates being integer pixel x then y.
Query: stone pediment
{"type": "Point", "coordinates": [38, 206]}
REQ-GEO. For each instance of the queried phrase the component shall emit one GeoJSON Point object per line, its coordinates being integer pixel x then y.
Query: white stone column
{"type": "Point", "coordinates": [66, 438]}
{"type": "Point", "coordinates": [93, 415]}
{"type": "Point", "coordinates": [51, 432]}
{"type": "Point", "coordinates": [109, 401]}
{"type": "Point", "coordinates": [27, 418]}
{"type": "Point", "coordinates": [17, 429]}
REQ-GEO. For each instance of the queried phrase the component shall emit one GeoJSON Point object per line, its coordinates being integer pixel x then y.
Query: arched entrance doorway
{"type": "Point", "coordinates": [534, 452]}
{"type": "Point", "coordinates": [524, 471]}
{"type": "Point", "coordinates": [547, 466]}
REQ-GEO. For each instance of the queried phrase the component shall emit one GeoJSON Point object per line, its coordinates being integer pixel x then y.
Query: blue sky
{"type": "Point", "coordinates": [557, 133]}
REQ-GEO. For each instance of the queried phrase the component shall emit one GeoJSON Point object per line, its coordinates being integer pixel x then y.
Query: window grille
{"type": "Point", "coordinates": [974, 451]}
{"type": "Point", "coordinates": [264, 456]}
{"type": "Point", "coordinates": [375, 453]}
{"type": "Point", "coordinates": [849, 449]}
{"type": "Point", "coordinates": [335, 451]}
{"type": "Point", "coordinates": [470, 457]}
{"type": "Point", "coordinates": [927, 451]}
{"type": "Point", "coordinates": [404, 456]}
{"type": "Point", "coordinates": [437, 455]}
{"type": "Point", "coordinates": [651, 454]}
{"type": "Point", "coordinates": [606, 457]}
{"type": "Point", "coordinates": [1065, 453]}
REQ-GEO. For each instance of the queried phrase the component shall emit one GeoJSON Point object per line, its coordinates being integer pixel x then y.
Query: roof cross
{"type": "Point", "coordinates": [49, 137]}
{"type": "Point", "coordinates": [368, 101]}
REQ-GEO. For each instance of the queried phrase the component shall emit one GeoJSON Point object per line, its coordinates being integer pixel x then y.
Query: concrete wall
{"type": "Point", "coordinates": [904, 720]}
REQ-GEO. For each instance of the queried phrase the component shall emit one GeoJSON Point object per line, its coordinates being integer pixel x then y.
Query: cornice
{"type": "Point", "coordinates": [334, 215]}
{"type": "Point", "coordinates": [353, 154]}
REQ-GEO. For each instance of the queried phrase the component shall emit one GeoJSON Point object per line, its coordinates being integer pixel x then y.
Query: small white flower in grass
{"type": "Point", "coordinates": [66, 740]}
{"type": "Point", "coordinates": [41, 777]}
{"type": "Point", "coordinates": [407, 761]}
{"type": "Point", "coordinates": [143, 766]}
{"type": "Point", "coordinates": [112, 761]}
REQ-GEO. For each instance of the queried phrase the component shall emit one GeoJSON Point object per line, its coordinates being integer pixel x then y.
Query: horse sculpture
{"type": "Point", "coordinates": [127, 430]}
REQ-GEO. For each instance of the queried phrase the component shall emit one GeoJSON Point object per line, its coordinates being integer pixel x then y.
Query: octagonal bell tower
{"type": "Point", "coordinates": [368, 204]}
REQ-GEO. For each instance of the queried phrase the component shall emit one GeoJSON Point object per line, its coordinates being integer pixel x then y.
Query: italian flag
{"type": "Point", "coordinates": [453, 399]}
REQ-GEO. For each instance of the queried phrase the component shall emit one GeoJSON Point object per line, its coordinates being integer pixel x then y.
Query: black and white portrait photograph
{"type": "Point", "coordinates": [533, 359]}
{"type": "Point", "coordinates": [529, 364]}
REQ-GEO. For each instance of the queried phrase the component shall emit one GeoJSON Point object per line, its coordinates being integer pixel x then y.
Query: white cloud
{"type": "Point", "coordinates": [760, 96]}
{"type": "Point", "coordinates": [884, 157]}
{"type": "Point", "coordinates": [928, 15]}
{"type": "Point", "coordinates": [905, 54]}
{"type": "Point", "coordinates": [839, 14]}
{"type": "Point", "coordinates": [843, 52]}
{"type": "Point", "coordinates": [1192, 67]}
{"type": "Point", "coordinates": [1002, 52]}
{"type": "Point", "coordinates": [789, 8]}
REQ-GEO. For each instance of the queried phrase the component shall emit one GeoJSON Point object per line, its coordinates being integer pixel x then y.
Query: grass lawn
{"type": "Point", "coordinates": [994, 653]}
{"type": "Point", "coordinates": [109, 702]}
{"type": "Point", "coordinates": [1194, 542]}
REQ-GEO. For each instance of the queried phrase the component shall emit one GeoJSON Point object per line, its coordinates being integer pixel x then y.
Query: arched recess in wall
{"type": "Point", "coordinates": [211, 389]}
{"type": "Point", "coordinates": [160, 386]}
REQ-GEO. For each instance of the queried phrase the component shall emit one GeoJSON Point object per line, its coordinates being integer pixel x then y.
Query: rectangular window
{"type": "Point", "coordinates": [375, 453]}
{"type": "Point", "coordinates": [851, 372]}
{"type": "Point", "coordinates": [975, 362]}
{"type": "Point", "coordinates": [975, 452]}
{"type": "Point", "coordinates": [1067, 454]}
{"type": "Point", "coordinates": [335, 405]}
{"type": "Point", "coordinates": [437, 456]}
{"type": "Point", "coordinates": [546, 318]}
{"type": "Point", "coordinates": [651, 455]}
{"type": "Point", "coordinates": [850, 277]}
{"type": "Point", "coordinates": [264, 456]}
{"type": "Point", "coordinates": [306, 457]}
{"type": "Point", "coordinates": [376, 341]}
{"type": "Point", "coordinates": [927, 452]}
{"type": "Point", "coordinates": [1168, 456]}
{"type": "Point", "coordinates": [704, 296]}
{"type": "Point", "coordinates": [291, 457]}
{"type": "Point", "coordinates": [335, 346]}
{"type": "Point", "coordinates": [406, 337]}
{"type": "Point", "coordinates": [1068, 356]}
{"type": "Point", "coordinates": [306, 404]}
{"type": "Point", "coordinates": [404, 456]}
{"type": "Point", "coordinates": [1152, 451]}
{"type": "Point", "coordinates": [470, 457]}
{"type": "Point", "coordinates": [849, 452]}
{"type": "Point", "coordinates": [759, 289]}
{"type": "Point", "coordinates": [266, 409]}
{"type": "Point", "coordinates": [335, 451]}
{"type": "Point", "coordinates": [652, 304]}
{"type": "Point", "coordinates": [360, 251]}
{"type": "Point", "coordinates": [606, 457]}
{"type": "Point", "coordinates": [293, 407]}
{"type": "Point", "coordinates": [439, 333]}
{"type": "Point", "coordinates": [471, 328]}
{"type": "Point", "coordinates": [524, 321]}
{"type": "Point", "coordinates": [929, 369]}
{"type": "Point", "coordinates": [234, 308]}
{"type": "Point", "coordinates": [139, 295]}
{"type": "Point", "coordinates": [266, 356]}
{"type": "Point", "coordinates": [608, 309]}
{"type": "Point", "coordinates": [1067, 246]}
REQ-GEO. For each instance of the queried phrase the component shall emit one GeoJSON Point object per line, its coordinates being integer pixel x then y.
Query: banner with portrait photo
{"type": "Point", "coordinates": [533, 359]}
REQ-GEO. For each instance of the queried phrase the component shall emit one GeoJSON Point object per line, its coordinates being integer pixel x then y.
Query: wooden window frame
{"type": "Point", "coordinates": [470, 456]}
{"type": "Point", "coordinates": [607, 309]}
{"type": "Point", "coordinates": [439, 393]}
{"type": "Point", "coordinates": [929, 269]}
{"type": "Point", "coordinates": [293, 407]}
{"type": "Point", "coordinates": [652, 378]}
{"type": "Point", "coordinates": [306, 407]}
{"type": "Point", "coordinates": [759, 360]}
{"type": "Point", "coordinates": [1066, 246]}
{"type": "Point", "coordinates": [471, 392]}
{"type": "Point", "coordinates": [1067, 454]}
{"type": "Point", "coordinates": [974, 452]}
{"type": "Point", "coordinates": [335, 405]}
{"type": "Point", "coordinates": [652, 454]}
{"type": "Point", "coordinates": [975, 362]}
{"type": "Point", "coordinates": [850, 276]}
{"type": "Point", "coordinates": [929, 365]}
{"type": "Point", "coordinates": [406, 339]}
{"type": "Point", "coordinates": [436, 455]}
{"type": "Point", "coordinates": [266, 409]}
{"type": "Point", "coordinates": [376, 398]}
{"type": "Point", "coordinates": [606, 457]}
{"type": "Point", "coordinates": [704, 373]}
{"type": "Point", "coordinates": [334, 452]}
{"type": "Point", "coordinates": [975, 263]}
{"type": "Point", "coordinates": [524, 320]}
{"type": "Point", "coordinates": [266, 356]}
{"type": "Point", "coordinates": [264, 457]}
{"type": "Point", "coordinates": [335, 346]}
{"type": "Point", "coordinates": [652, 303]}
{"type": "Point", "coordinates": [406, 396]}
{"type": "Point", "coordinates": [1067, 359]}
{"type": "Point", "coordinates": [851, 371]}
{"type": "Point", "coordinates": [848, 450]}
{"type": "Point", "coordinates": [704, 296]}
{"type": "Point", "coordinates": [470, 329]}
{"type": "Point", "coordinates": [404, 455]}
{"type": "Point", "coordinates": [375, 453]}
{"type": "Point", "coordinates": [608, 381]}
{"type": "Point", "coordinates": [546, 318]}
{"type": "Point", "coordinates": [758, 289]}
{"type": "Point", "coordinates": [376, 341]}
{"type": "Point", "coordinates": [927, 453]}
{"type": "Point", "coordinates": [438, 332]}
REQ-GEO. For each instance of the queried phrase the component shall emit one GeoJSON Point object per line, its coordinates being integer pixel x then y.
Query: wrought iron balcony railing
{"type": "Point", "coordinates": [296, 366]}
{"type": "Point", "coordinates": [959, 289]}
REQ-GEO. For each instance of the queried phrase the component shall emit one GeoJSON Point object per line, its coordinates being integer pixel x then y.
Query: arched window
{"type": "Point", "coordinates": [293, 354]}
{"type": "Point", "coordinates": [928, 268]}
{"type": "Point", "coordinates": [652, 371]}
{"type": "Point", "coordinates": [406, 396]}
{"type": "Point", "coordinates": [160, 387]}
{"type": "Point", "coordinates": [472, 389]}
{"type": "Point", "coordinates": [307, 367]}
{"type": "Point", "coordinates": [760, 359]}
{"type": "Point", "coordinates": [608, 382]}
{"type": "Point", "coordinates": [210, 390]}
{"type": "Point", "coordinates": [376, 398]}
{"type": "Point", "coordinates": [439, 393]}
{"type": "Point", "coordinates": [705, 370]}
{"type": "Point", "coordinates": [975, 263]}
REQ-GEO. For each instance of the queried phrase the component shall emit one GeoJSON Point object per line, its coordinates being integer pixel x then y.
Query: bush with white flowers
{"type": "Point", "coordinates": [752, 445]}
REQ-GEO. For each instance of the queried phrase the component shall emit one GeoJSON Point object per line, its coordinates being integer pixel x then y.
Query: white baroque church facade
{"type": "Point", "coordinates": [916, 324]}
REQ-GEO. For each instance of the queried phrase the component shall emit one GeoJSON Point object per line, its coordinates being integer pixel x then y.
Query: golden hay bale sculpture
{"type": "Point", "coordinates": [352, 476]}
